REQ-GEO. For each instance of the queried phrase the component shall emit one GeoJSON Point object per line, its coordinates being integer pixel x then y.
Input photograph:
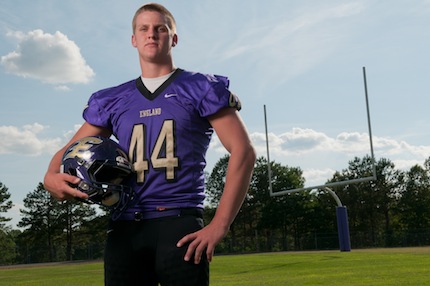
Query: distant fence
{"type": "Point", "coordinates": [248, 244]}
{"type": "Point", "coordinates": [323, 241]}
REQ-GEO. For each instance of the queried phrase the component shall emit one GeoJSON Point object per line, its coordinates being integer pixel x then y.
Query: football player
{"type": "Point", "coordinates": [164, 121]}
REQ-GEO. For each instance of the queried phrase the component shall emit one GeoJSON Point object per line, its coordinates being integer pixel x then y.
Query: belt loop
{"type": "Point", "coordinates": [137, 216]}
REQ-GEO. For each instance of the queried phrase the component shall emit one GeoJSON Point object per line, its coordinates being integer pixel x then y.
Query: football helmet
{"type": "Point", "coordinates": [102, 166]}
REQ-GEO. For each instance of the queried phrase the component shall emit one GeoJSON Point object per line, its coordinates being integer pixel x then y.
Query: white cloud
{"type": "Point", "coordinates": [319, 155]}
{"type": "Point", "coordinates": [24, 140]}
{"type": "Point", "coordinates": [62, 88]}
{"type": "Point", "coordinates": [301, 140]}
{"type": "Point", "coordinates": [50, 58]}
{"type": "Point", "coordinates": [317, 176]}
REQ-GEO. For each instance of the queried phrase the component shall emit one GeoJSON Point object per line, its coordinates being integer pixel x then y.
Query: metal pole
{"type": "Point", "coordinates": [368, 123]}
{"type": "Point", "coordinates": [269, 170]}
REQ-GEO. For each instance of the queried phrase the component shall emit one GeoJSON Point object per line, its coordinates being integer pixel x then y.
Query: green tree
{"type": "Point", "coordinates": [386, 188]}
{"type": "Point", "coordinates": [215, 182]}
{"type": "Point", "coordinates": [7, 244]}
{"type": "Point", "coordinates": [323, 220]}
{"type": "Point", "coordinates": [7, 248]}
{"type": "Point", "coordinates": [391, 210]}
{"type": "Point", "coordinates": [5, 205]}
{"type": "Point", "coordinates": [214, 189]}
{"type": "Point", "coordinates": [73, 215]}
{"type": "Point", "coordinates": [279, 215]}
{"type": "Point", "coordinates": [51, 225]}
{"type": "Point", "coordinates": [413, 206]}
{"type": "Point", "coordinates": [41, 218]}
{"type": "Point", "coordinates": [89, 239]}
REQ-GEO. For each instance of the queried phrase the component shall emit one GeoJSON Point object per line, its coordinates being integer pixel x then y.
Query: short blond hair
{"type": "Point", "coordinates": [157, 8]}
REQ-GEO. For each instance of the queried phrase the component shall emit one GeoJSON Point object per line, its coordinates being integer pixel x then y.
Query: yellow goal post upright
{"type": "Point", "coordinates": [341, 212]}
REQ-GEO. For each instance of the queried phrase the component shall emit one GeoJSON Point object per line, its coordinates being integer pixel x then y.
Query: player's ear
{"type": "Point", "coordinates": [133, 41]}
{"type": "Point", "coordinates": [174, 40]}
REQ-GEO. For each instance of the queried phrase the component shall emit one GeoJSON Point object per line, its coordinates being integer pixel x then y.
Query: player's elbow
{"type": "Point", "coordinates": [252, 154]}
{"type": "Point", "coordinates": [249, 155]}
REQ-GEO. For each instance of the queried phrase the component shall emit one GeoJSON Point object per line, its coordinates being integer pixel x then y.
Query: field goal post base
{"type": "Point", "coordinates": [342, 222]}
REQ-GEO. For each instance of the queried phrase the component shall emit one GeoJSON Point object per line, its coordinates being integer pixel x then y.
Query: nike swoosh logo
{"type": "Point", "coordinates": [167, 95]}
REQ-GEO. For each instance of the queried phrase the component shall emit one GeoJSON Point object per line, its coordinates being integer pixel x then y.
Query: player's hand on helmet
{"type": "Point", "coordinates": [204, 240]}
{"type": "Point", "coordinates": [60, 185]}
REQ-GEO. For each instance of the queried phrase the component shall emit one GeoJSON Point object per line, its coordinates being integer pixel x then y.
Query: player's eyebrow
{"type": "Point", "coordinates": [158, 25]}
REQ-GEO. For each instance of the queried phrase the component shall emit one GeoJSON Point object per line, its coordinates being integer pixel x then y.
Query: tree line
{"type": "Point", "coordinates": [391, 211]}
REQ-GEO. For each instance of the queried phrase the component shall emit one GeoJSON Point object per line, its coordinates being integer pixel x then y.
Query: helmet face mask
{"type": "Point", "coordinates": [103, 167]}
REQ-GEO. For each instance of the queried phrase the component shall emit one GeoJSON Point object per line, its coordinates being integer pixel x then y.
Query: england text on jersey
{"type": "Point", "coordinates": [150, 112]}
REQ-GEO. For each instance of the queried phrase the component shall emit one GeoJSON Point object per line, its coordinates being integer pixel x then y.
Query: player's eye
{"type": "Point", "coordinates": [143, 28]}
{"type": "Point", "coordinates": [162, 29]}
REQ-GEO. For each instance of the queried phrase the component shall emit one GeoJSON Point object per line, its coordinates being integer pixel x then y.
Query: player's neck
{"type": "Point", "coordinates": [153, 70]}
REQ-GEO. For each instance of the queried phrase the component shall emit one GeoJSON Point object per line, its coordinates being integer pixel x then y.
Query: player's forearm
{"type": "Point", "coordinates": [239, 172]}
{"type": "Point", "coordinates": [53, 168]}
{"type": "Point", "coordinates": [54, 165]}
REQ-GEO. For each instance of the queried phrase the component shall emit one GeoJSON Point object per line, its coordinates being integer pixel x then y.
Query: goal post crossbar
{"type": "Point", "coordinates": [328, 185]}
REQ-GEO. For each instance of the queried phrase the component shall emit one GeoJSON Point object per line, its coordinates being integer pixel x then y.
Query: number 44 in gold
{"type": "Point", "coordinates": [162, 155]}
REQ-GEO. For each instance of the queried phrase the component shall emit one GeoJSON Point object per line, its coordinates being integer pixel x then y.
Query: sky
{"type": "Point", "coordinates": [303, 60]}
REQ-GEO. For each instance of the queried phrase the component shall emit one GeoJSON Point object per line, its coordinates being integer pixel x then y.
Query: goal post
{"type": "Point", "coordinates": [341, 211]}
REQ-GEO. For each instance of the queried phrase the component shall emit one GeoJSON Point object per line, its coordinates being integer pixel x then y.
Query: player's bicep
{"type": "Point", "coordinates": [230, 128]}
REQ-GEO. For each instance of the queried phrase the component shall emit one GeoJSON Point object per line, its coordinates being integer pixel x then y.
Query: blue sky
{"type": "Point", "coordinates": [302, 59]}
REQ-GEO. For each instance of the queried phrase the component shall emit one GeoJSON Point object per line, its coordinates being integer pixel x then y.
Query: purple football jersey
{"type": "Point", "coordinates": [165, 133]}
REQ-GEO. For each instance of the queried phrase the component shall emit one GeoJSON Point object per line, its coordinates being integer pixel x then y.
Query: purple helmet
{"type": "Point", "coordinates": [102, 166]}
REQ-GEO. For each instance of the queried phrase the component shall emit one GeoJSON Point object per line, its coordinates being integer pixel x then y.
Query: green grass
{"type": "Point", "coordinates": [55, 274]}
{"type": "Point", "coordinates": [397, 266]}
{"type": "Point", "coordinates": [403, 266]}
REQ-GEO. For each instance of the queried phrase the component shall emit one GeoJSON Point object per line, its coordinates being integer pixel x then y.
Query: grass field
{"type": "Point", "coordinates": [396, 266]}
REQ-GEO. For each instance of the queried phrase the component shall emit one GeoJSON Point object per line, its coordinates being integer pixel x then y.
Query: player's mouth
{"type": "Point", "coordinates": [151, 44]}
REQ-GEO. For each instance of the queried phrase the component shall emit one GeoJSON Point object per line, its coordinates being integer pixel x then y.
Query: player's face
{"type": "Point", "coordinates": [153, 37]}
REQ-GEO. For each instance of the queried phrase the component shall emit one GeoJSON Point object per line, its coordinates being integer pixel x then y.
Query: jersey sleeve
{"type": "Point", "coordinates": [218, 96]}
{"type": "Point", "coordinates": [104, 103]}
{"type": "Point", "coordinates": [95, 112]}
